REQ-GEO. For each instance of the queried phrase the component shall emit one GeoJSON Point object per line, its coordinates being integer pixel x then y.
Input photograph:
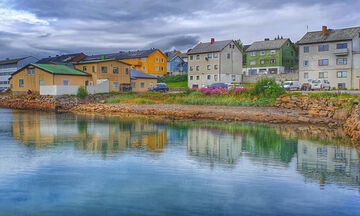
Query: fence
{"type": "Point", "coordinates": [59, 90]}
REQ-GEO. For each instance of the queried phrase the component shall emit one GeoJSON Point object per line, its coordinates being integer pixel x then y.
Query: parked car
{"type": "Point", "coordinates": [160, 87]}
{"type": "Point", "coordinates": [306, 87]}
{"type": "Point", "coordinates": [218, 85]}
{"type": "Point", "coordinates": [231, 86]}
{"type": "Point", "coordinates": [320, 85]}
{"type": "Point", "coordinates": [292, 85]}
{"type": "Point", "coordinates": [4, 90]}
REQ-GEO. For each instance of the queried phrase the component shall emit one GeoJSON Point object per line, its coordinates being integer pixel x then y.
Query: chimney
{"type": "Point", "coordinates": [324, 30]}
{"type": "Point", "coordinates": [212, 40]}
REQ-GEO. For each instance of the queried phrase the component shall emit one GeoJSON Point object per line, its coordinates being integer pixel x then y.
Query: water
{"type": "Point", "coordinates": [74, 165]}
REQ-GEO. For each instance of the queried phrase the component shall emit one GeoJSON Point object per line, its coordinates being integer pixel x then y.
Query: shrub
{"type": "Point", "coordinates": [143, 101]}
{"type": "Point", "coordinates": [82, 92]}
{"type": "Point", "coordinates": [172, 79]}
{"type": "Point", "coordinates": [267, 88]}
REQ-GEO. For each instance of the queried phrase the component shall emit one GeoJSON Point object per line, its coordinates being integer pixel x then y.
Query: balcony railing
{"type": "Point", "coordinates": [341, 52]}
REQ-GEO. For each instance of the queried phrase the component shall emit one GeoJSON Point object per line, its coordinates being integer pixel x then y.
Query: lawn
{"type": "Point", "coordinates": [178, 84]}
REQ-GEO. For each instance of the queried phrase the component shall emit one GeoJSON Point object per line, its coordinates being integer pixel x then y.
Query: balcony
{"type": "Point", "coordinates": [341, 52]}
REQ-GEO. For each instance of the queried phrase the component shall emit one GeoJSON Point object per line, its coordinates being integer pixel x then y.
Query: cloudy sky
{"type": "Point", "coordinates": [50, 27]}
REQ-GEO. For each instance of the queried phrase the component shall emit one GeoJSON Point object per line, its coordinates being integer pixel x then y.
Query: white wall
{"type": "Point", "coordinates": [102, 86]}
{"type": "Point", "coordinates": [59, 90]}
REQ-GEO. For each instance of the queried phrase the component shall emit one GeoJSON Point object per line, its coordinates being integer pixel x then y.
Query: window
{"type": "Point", "coordinates": [191, 77]}
{"type": "Point", "coordinates": [253, 54]}
{"type": "Point", "coordinates": [156, 59]}
{"type": "Point", "coordinates": [341, 85]}
{"type": "Point", "coordinates": [273, 52]}
{"type": "Point", "coordinates": [143, 59]}
{"type": "Point", "coordinates": [93, 69]}
{"type": "Point", "coordinates": [215, 77]}
{"type": "Point", "coordinates": [228, 55]}
{"type": "Point", "coordinates": [143, 68]}
{"type": "Point", "coordinates": [262, 61]}
{"type": "Point", "coordinates": [157, 68]}
{"type": "Point", "coordinates": [262, 53]}
{"type": "Point", "coordinates": [209, 77]}
{"type": "Point", "coordinates": [115, 85]}
{"type": "Point", "coordinates": [216, 55]}
{"type": "Point", "coordinates": [133, 85]}
{"type": "Point", "coordinates": [66, 82]}
{"type": "Point", "coordinates": [197, 57]}
{"type": "Point", "coordinates": [191, 57]}
{"type": "Point", "coordinates": [323, 74]}
{"type": "Point", "coordinates": [21, 83]}
{"type": "Point", "coordinates": [103, 69]}
{"type": "Point", "coordinates": [197, 68]}
{"type": "Point", "coordinates": [216, 67]}
{"type": "Point", "coordinates": [41, 82]}
{"type": "Point", "coordinates": [115, 70]}
{"type": "Point", "coordinates": [341, 61]}
{"type": "Point", "coordinates": [233, 78]}
{"type": "Point", "coordinates": [210, 55]}
{"type": "Point", "coordinates": [323, 62]}
{"type": "Point", "coordinates": [162, 68]}
{"type": "Point", "coordinates": [127, 70]}
{"type": "Point", "coordinates": [191, 68]}
{"type": "Point", "coordinates": [209, 67]}
{"type": "Point", "coordinates": [323, 48]}
{"type": "Point", "coordinates": [31, 71]}
{"type": "Point", "coordinates": [342, 74]}
{"type": "Point", "coordinates": [306, 49]}
{"type": "Point", "coordinates": [162, 60]}
{"type": "Point", "coordinates": [252, 62]}
{"type": "Point", "coordinates": [341, 46]}
{"type": "Point", "coordinates": [272, 61]}
{"type": "Point", "coordinates": [306, 75]}
{"type": "Point", "coordinates": [142, 85]}
{"type": "Point", "coordinates": [197, 77]}
{"type": "Point", "coordinates": [306, 63]}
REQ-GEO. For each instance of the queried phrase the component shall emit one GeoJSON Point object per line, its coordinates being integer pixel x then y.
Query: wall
{"type": "Point", "coordinates": [233, 65]}
{"type": "Point", "coordinates": [59, 90]}
{"type": "Point", "coordinates": [200, 77]}
{"type": "Point", "coordinates": [151, 64]}
{"type": "Point", "coordinates": [313, 69]}
{"type": "Point", "coordinates": [277, 77]}
{"type": "Point", "coordinates": [100, 87]}
{"type": "Point", "coordinates": [148, 84]}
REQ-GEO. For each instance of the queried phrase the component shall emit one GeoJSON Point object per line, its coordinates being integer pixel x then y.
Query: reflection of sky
{"type": "Point", "coordinates": [65, 181]}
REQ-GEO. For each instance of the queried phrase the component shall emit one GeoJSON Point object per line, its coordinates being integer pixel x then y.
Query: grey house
{"type": "Point", "coordinates": [9, 66]}
{"type": "Point", "coordinates": [214, 62]}
{"type": "Point", "coordinates": [333, 55]}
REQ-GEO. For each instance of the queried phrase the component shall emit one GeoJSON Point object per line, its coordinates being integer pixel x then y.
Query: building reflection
{"type": "Point", "coordinates": [328, 163]}
{"type": "Point", "coordinates": [42, 130]}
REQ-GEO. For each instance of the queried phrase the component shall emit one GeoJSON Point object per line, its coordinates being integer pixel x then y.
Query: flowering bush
{"type": "Point", "coordinates": [221, 91]}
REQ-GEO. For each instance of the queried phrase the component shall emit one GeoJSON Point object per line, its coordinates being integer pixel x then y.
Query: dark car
{"type": "Point", "coordinates": [4, 90]}
{"type": "Point", "coordinates": [218, 85]}
{"type": "Point", "coordinates": [160, 87]}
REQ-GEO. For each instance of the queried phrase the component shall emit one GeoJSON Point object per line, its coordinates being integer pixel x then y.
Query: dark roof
{"type": "Point", "coordinates": [208, 47]}
{"type": "Point", "coordinates": [99, 60]}
{"type": "Point", "coordinates": [246, 47]}
{"type": "Point", "coordinates": [267, 45]}
{"type": "Point", "coordinates": [183, 55]}
{"type": "Point", "coordinates": [11, 61]}
{"type": "Point", "coordinates": [59, 59]}
{"type": "Point", "coordinates": [135, 74]}
{"type": "Point", "coordinates": [123, 55]}
{"type": "Point", "coordinates": [333, 35]}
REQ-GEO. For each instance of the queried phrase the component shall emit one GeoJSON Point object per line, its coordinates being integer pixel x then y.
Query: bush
{"type": "Point", "coordinates": [172, 79]}
{"type": "Point", "coordinates": [82, 92]}
{"type": "Point", "coordinates": [267, 88]}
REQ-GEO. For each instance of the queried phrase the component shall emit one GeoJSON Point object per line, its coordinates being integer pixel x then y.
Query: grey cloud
{"type": "Point", "coordinates": [181, 42]}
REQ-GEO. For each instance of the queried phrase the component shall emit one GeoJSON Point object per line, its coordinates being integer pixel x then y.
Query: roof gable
{"type": "Point", "coordinates": [267, 45]}
{"type": "Point", "coordinates": [217, 46]}
{"type": "Point", "coordinates": [333, 35]}
{"type": "Point", "coordinates": [61, 59]}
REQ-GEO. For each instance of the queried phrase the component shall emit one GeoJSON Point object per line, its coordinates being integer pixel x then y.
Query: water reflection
{"type": "Point", "coordinates": [212, 144]}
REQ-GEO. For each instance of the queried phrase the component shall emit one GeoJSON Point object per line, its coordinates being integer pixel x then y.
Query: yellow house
{"type": "Point", "coordinates": [151, 61]}
{"type": "Point", "coordinates": [33, 76]}
{"type": "Point", "coordinates": [117, 72]}
{"type": "Point", "coordinates": [141, 82]}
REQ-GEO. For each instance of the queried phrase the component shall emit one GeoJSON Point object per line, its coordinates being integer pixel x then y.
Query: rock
{"type": "Point", "coordinates": [341, 114]}
{"type": "Point", "coordinates": [356, 102]}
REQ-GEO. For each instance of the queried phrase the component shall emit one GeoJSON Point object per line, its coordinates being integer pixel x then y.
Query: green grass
{"type": "Point", "coordinates": [224, 101]}
{"type": "Point", "coordinates": [143, 101]}
{"type": "Point", "coordinates": [178, 84]}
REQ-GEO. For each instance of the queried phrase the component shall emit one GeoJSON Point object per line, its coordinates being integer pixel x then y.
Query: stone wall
{"type": "Point", "coordinates": [277, 77]}
{"type": "Point", "coordinates": [352, 127]}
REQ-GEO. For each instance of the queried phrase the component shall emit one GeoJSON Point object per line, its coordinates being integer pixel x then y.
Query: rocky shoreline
{"type": "Point", "coordinates": [288, 110]}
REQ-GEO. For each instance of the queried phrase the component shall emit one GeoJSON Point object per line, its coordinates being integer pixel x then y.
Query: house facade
{"type": "Point", "coordinates": [214, 62]}
{"type": "Point", "coordinates": [115, 71]}
{"type": "Point", "coordinates": [141, 82]}
{"type": "Point", "coordinates": [10, 66]}
{"type": "Point", "coordinates": [333, 55]}
{"type": "Point", "coordinates": [270, 57]}
{"type": "Point", "coordinates": [151, 61]}
{"type": "Point", "coordinates": [33, 76]}
{"type": "Point", "coordinates": [177, 66]}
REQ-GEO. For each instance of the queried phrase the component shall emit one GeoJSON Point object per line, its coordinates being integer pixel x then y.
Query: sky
{"type": "Point", "coordinates": [43, 28]}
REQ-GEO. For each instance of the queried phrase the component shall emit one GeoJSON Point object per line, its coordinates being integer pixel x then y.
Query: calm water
{"type": "Point", "coordinates": [71, 165]}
